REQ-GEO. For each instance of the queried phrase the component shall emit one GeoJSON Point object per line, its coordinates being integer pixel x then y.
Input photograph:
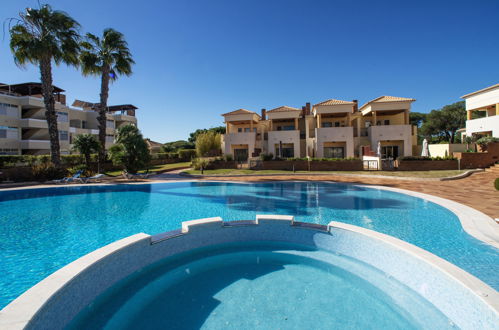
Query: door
{"type": "Point", "coordinates": [241, 155]}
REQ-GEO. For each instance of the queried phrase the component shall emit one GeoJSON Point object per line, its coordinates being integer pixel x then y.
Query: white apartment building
{"type": "Point", "coordinates": [329, 129]}
{"type": "Point", "coordinates": [482, 109]}
{"type": "Point", "coordinates": [24, 130]}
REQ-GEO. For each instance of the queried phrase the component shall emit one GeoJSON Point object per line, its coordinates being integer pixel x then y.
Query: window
{"type": "Point", "coordinates": [288, 151]}
{"type": "Point", "coordinates": [246, 129]}
{"type": "Point", "coordinates": [110, 123]}
{"type": "Point", "coordinates": [286, 128]}
{"type": "Point", "coordinates": [239, 130]}
{"type": "Point", "coordinates": [62, 117]}
{"type": "Point", "coordinates": [83, 124]}
{"type": "Point", "coordinates": [63, 135]}
{"type": "Point", "coordinates": [8, 151]}
{"type": "Point", "coordinates": [327, 124]}
{"type": "Point", "coordinates": [8, 109]}
{"type": "Point", "coordinates": [386, 122]}
{"type": "Point", "coordinates": [334, 152]}
{"type": "Point", "coordinates": [367, 124]}
{"type": "Point", "coordinates": [7, 132]}
{"type": "Point", "coordinates": [336, 124]}
{"type": "Point", "coordinates": [389, 152]}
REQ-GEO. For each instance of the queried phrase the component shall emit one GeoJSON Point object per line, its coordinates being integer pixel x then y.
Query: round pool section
{"type": "Point", "coordinates": [41, 230]}
{"type": "Point", "coordinates": [260, 285]}
{"type": "Point", "coordinates": [269, 273]}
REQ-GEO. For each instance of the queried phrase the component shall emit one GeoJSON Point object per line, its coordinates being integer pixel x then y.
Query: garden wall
{"type": "Point", "coordinates": [479, 159]}
{"type": "Point", "coordinates": [317, 165]}
{"type": "Point", "coordinates": [427, 165]}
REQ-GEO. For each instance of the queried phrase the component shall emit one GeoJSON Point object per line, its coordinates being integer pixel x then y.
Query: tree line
{"type": "Point", "coordinates": [44, 37]}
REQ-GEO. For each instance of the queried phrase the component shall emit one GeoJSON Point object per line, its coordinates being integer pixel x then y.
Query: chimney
{"type": "Point", "coordinates": [355, 105]}
{"type": "Point", "coordinates": [264, 114]}
{"type": "Point", "coordinates": [307, 105]}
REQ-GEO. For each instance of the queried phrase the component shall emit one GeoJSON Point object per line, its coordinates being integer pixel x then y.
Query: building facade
{"type": "Point", "coordinates": [482, 110]}
{"type": "Point", "coordinates": [24, 130]}
{"type": "Point", "coordinates": [329, 129]}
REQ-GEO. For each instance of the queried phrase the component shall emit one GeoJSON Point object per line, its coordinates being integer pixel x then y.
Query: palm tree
{"type": "Point", "coordinates": [41, 36]}
{"type": "Point", "coordinates": [86, 144]}
{"type": "Point", "coordinates": [106, 57]}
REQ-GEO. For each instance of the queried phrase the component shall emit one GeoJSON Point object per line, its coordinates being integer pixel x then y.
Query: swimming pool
{"type": "Point", "coordinates": [45, 229]}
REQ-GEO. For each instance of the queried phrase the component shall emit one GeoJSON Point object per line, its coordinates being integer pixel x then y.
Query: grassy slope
{"type": "Point", "coordinates": [157, 168]}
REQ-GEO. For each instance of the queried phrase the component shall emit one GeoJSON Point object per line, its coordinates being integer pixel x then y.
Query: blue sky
{"type": "Point", "coordinates": [198, 59]}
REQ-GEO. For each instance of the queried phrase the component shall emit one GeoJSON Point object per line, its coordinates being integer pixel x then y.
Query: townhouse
{"type": "Point", "coordinates": [24, 130]}
{"type": "Point", "coordinates": [329, 129]}
{"type": "Point", "coordinates": [482, 109]}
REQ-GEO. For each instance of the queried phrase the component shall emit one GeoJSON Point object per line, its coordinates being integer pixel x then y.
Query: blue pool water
{"type": "Point", "coordinates": [42, 230]}
{"type": "Point", "coordinates": [264, 287]}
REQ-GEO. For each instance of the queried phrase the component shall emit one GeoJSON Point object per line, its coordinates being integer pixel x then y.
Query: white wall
{"type": "Point", "coordinates": [482, 99]}
{"type": "Point", "coordinates": [285, 137]}
{"type": "Point", "coordinates": [334, 134]}
{"type": "Point", "coordinates": [485, 124]}
{"type": "Point", "coordinates": [392, 132]}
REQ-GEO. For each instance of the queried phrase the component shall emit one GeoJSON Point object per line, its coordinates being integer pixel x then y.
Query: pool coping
{"type": "Point", "coordinates": [20, 312]}
{"type": "Point", "coordinates": [474, 222]}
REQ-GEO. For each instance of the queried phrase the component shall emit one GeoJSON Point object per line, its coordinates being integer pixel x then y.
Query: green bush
{"type": "Point", "coordinates": [266, 157]}
{"type": "Point", "coordinates": [411, 158]}
{"type": "Point", "coordinates": [198, 163]}
{"type": "Point", "coordinates": [496, 183]}
{"type": "Point", "coordinates": [485, 141]}
{"type": "Point", "coordinates": [187, 154]}
{"type": "Point", "coordinates": [228, 158]}
{"type": "Point", "coordinates": [47, 171]}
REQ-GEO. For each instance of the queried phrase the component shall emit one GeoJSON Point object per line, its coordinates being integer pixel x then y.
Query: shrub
{"type": "Point", "coordinates": [47, 171]}
{"type": "Point", "coordinates": [130, 151]}
{"type": "Point", "coordinates": [228, 158]}
{"type": "Point", "coordinates": [80, 167]}
{"type": "Point", "coordinates": [208, 144]}
{"type": "Point", "coordinates": [187, 154]}
{"type": "Point", "coordinates": [411, 158]}
{"type": "Point", "coordinates": [485, 141]}
{"type": "Point", "coordinates": [496, 183]}
{"type": "Point", "coordinates": [266, 157]}
{"type": "Point", "coordinates": [198, 163]}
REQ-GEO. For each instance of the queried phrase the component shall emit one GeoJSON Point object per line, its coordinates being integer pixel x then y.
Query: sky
{"type": "Point", "coordinates": [198, 59]}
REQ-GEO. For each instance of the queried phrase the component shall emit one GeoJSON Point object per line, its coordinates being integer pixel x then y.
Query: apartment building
{"type": "Point", "coordinates": [329, 129]}
{"type": "Point", "coordinates": [482, 109]}
{"type": "Point", "coordinates": [24, 130]}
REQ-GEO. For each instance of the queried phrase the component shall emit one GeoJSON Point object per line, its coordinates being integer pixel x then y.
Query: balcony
{"type": "Point", "coordinates": [482, 125]}
{"type": "Point", "coordinates": [239, 138]}
{"type": "Point", "coordinates": [33, 123]}
{"type": "Point", "coordinates": [333, 134]}
{"type": "Point", "coordinates": [35, 144]}
{"type": "Point", "coordinates": [127, 118]}
{"type": "Point", "coordinates": [389, 132]}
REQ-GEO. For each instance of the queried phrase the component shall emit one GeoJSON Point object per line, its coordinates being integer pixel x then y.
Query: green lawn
{"type": "Point", "coordinates": [156, 168]}
{"type": "Point", "coordinates": [415, 174]}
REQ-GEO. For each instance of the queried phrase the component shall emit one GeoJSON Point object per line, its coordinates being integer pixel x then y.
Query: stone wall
{"type": "Point", "coordinates": [427, 165]}
{"type": "Point", "coordinates": [479, 159]}
{"type": "Point", "coordinates": [303, 165]}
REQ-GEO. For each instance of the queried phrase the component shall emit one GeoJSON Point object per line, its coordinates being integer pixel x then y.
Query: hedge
{"type": "Point", "coordinates": [418, 158]}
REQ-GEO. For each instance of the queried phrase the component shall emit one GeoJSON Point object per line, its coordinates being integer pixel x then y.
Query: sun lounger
{"type": "Point", "coordinates": [95, 178]}
{"type": "Point", "coordinates": [75, 178]}
{"type": "Point", "coordinates": [130, 176]}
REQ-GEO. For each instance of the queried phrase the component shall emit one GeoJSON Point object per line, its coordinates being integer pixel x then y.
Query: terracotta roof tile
{"type": "Point", "coordinates": [240, 112]}
{"type": "Point", "coordinates": [385, 98]}
{"type": "Point", "coordinates": [333, 102]}
{"type": "Point", "coordinates": [284, 108]}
